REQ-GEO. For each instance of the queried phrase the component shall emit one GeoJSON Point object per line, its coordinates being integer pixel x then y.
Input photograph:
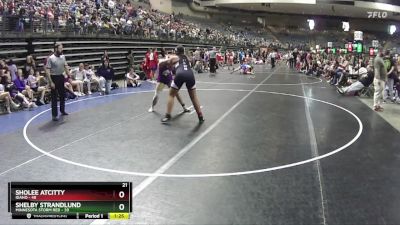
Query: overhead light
{"type": "Point", "coordinates": [346, 26]}
{"type": "Point", "coordinates": [311, 24]}
{"type": "Point", "coordinates": [392, 29]}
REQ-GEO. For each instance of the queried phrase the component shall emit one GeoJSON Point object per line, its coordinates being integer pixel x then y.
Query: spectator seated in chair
{"type": "Point", "coordinates": [365, 80]}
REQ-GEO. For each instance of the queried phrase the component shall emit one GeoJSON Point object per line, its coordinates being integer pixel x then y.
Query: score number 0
{"type": "Point", "coordinates": [121, 194]}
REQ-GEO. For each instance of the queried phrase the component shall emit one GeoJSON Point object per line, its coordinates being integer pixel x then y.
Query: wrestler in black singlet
{"type": "Point", "coordinates": [183, 74]}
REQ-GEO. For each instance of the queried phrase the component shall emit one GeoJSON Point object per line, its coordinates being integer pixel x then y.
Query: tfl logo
{"type": "Point", "coordinates": [380, 15]}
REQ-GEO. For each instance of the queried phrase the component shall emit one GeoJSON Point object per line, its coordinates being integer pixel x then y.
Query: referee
{"type": "Point", "coordinates": [213, 60]}
{"type": "Point", "coordinates": [56, 65]}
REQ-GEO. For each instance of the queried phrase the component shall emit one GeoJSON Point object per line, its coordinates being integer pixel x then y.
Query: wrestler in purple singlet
{"type": "Point", "coordinates": [164, 75]}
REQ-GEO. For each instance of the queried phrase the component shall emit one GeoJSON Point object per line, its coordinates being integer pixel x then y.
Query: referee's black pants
{"type": "Point", "coordinates": [60, 90]}
{"type": "Point", "coordinates": [213, 62]}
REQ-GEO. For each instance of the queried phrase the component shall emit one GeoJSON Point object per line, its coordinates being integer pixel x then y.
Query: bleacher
{"type": "Point", "coordinates": [81, 50]}
{"type": "Point", "coordinates": [14, 49]}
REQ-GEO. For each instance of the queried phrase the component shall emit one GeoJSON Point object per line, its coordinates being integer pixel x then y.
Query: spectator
{"type": "Point", "coordinates": [272, 56]}
{"type": "Point", "coordinates": [111, 5]}
{"type": "Point", "coordinates": [30, 64]}
{"type": "Point", "coordinates": [341, 71]}
{"type": "Point", "coordinates": [133, 79]}
{"type": "Point", "coordinates": [4, 73]}
{"type": "Point", "coordinates": [366, 79]}
{"type": "Point", "coordinates": [380, 78]}
{"type": "Point", "coordinates": [14, 93]}
{"type": "Point", "coordinates": [70, 94]}
{"type": "Point", "coordinates": [213, 60]}
{"type": "Point", "coordinates": [390, 68]}
{"type": "Point", "coordinates": [95, 81]}
{"type": "Point", "coordinates": [107, 72]}
{"type": "Point", "coordinates": [1, 7]}
{"type": "Point", "coordinates": [105, 56]}
{"type": "Point", "coordinates": [131, 59]}
{"type": "Point", "coordinates": [12, 68]}
{"type": "Point", "coordinates": [33, 82]}
{"type": "Point", "coordinates": [196, 54]}
{"type": "Point", "coordinates": [153, 59]}
{"type": "Point", "coordinates": [79, 79]}
{"type": "Point", "coordinates": [98, 4]}
{"type": "Point", "coordinates": [147, 64]}
{"type": "Point", "coordinates": [206, 58]}
{"type": "Point", "coordinates": [6, 97]}
{"type": "Point", "coordinates": [198, 67]}
{"type": "Point", "coordinates": [150, 23]}
{"type": "Point", "coordinates": [42, 81]}
{"type": "Point", "coordinates": [145, 68]}
{"type": "Point", "coordinates": [19, 83]}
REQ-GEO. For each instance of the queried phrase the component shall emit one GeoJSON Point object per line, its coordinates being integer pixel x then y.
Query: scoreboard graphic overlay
{"type": "Point", "coordinates": [70, 200]}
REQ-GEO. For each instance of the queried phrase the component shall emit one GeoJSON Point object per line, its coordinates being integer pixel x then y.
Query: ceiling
{"type": "Point", "coordinates": [322, 8]}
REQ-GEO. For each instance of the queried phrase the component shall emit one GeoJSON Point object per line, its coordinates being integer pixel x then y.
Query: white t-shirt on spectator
{"type": "Point", "coordinates": [133, 76]}
{"type": "Point", "coordinates": [79, 75]}
{"type": "Point", "coordinates": [89, 74]}
{"type": "Point", "coordinates": [149, 22]}
{"type": "Point", "coordinates": [31, 81]}
{"type": "Point", "coordinates": [111, 4]}
{"type": "Point", "coordinates": [362, 71]}
{"type": "Point", "coordinates": [13, 71]}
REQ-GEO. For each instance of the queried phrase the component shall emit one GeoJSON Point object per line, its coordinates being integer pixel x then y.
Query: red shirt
{"type": "Point", "coordinates": [11, 5]}
{"type": "Point", "coordinates": [50, 14]}
{"type": "Point", "coordinates": [154, 60]}
{"type": "Point", "coordinates": [129, 10]}
{"type": "Point", "coordinates": [144, 65]}
{"type": "Point", "coordinates": [147, 61]}
{"type": "Point", "coordinates": [219, 57]}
